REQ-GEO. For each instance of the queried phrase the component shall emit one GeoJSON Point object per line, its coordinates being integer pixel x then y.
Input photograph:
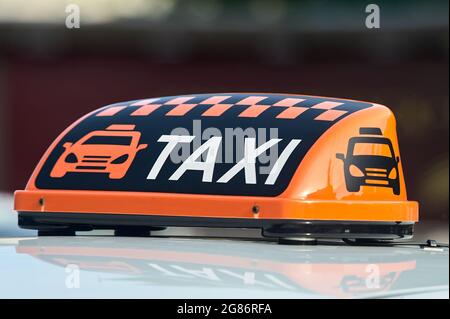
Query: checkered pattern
{"type": "Point", "coordinates": [255, 105]}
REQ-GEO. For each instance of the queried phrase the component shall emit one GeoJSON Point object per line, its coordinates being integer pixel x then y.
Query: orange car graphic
{"type": "Point", "coordinates": [110, 151]}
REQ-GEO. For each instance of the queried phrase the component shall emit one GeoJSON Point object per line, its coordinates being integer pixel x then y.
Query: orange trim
{"type": "Point", "coordinates": [113, 110]}
{"type": "Point", "coordinates": [164, 204]}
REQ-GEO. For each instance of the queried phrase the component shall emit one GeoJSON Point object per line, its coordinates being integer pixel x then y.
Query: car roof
{"type": "Point", "coordinates": [179, 267]}
{"type": "Point", "coordinates": [174, 266]}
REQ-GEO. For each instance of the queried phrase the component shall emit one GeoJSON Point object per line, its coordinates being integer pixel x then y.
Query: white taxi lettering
{"type": "Point", "coordinates": [211, 147]}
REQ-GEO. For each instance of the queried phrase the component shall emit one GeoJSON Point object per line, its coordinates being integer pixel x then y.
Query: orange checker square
{"type": "Point", "coordinates": [253, 110]}
{"type": "Point", "coordinates": [251, 100]}
{"type": "Point", "coordinates": [288, 102]}
{"type": "Point", "coordinates": [111, 111]}
{"type": "Point", "coordinates": [179, 100]}
{"type": "Point", "coordinates": [217, 109]}
{"type": "Point", "coordinates": [181, 109]}
{"type": "Point", "coordinates": [330, 115]}
{"type": "Point", "coordinates": [144, 102]}
{"type": "Point", "coordinates": [326, 105]}
{"type": "Point", "coordinates": [145, 109]}
{"type": "Point", "coordinates": [215, 99]}
{"type": "Point", "coordinates": [291, 112]}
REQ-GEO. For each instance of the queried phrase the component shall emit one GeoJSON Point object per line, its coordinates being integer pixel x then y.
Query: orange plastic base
{"type": "Point", "coordinates": [165, 204]}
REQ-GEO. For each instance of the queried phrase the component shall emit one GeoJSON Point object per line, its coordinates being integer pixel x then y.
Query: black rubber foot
{"type": "Point", "coordinates": [59, 232]}
{"type": "Point", "coordinates": [132, 232]}
{"type": "Point", "coordinates": [297, 241]}
{"type": "Point", "coordinates": [365, 241]}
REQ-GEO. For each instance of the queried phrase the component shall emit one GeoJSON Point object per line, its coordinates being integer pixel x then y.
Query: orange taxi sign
{"type": "Point", "coordinates": [291, 165]}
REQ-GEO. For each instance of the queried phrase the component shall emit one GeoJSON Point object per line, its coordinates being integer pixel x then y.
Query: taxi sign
{"type": "Point", "coordinates": [292, 165]}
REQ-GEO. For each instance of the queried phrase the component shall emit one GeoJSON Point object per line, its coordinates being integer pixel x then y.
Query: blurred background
{"type": "Point", "coordinates": [123, 50]}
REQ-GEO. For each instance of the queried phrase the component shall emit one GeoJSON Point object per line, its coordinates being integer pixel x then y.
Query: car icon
{"type": "Point", "coordinates": [370, 161]}
{"type": "Point", "coordinates": [108, 151]}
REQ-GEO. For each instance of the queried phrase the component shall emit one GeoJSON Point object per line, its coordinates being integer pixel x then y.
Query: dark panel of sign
{"type": "Point", "coordinates": [116, 148]}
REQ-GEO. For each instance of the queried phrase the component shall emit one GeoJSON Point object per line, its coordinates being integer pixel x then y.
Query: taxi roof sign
{"type": "Point", "coordinates": [297, 166]}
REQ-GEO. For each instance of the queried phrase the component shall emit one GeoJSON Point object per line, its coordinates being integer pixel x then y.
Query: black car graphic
{"type": "Point", "coordinates": [371, 161]}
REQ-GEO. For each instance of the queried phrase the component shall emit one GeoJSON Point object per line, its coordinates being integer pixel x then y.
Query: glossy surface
{"type": "Point", "coordinates": [158, 267]}
{"type": "Point", "coordinates": [314, 184]}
